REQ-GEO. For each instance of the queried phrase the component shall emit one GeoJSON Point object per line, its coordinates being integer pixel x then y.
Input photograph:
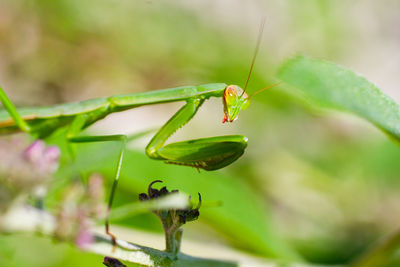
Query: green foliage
{"type": "Point", "coordinates": [327, 85]}
{"type": "Point", "coordinates": [331, 86]}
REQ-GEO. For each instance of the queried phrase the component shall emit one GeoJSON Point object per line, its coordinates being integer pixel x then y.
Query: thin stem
{"type": "Point", "coordinates": [379, 255]}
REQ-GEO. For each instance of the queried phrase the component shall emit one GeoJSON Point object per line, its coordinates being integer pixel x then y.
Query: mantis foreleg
{"type": "Point", "coordinates": [206, 153]}
{"type": "Point", "coordinates": [180, 118]}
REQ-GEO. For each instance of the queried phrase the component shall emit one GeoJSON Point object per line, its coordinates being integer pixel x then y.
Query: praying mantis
{"type": "Point", "coordinates": [210, 153]}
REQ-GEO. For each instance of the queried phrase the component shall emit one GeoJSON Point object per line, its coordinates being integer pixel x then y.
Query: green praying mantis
{"type": "Point", "coordinates": [206, 153]}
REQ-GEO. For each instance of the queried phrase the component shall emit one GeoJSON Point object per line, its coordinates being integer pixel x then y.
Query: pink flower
{"type": "Point", "coordinates": [84, 238]}
{"type": "Point", "coordinates": [25, 170]}
{"type": "Point", "coordinates": [44, 159]}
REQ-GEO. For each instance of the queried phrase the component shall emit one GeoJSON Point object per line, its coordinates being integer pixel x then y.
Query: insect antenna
{"type": "Point", "coordinates": [260, 33]}
{"type": "Point", "coordinates": [265, 88]}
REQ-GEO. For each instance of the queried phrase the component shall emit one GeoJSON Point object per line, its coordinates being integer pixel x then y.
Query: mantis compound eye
{"type": "Point", "coordinates": [230, 94]}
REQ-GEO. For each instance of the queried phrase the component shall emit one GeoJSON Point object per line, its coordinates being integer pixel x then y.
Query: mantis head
{"type": "Point", "coordinates": [234, 100]}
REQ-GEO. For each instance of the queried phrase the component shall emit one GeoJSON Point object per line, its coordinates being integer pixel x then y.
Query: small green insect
{"type": "Point", "coordinates": [206, 153]}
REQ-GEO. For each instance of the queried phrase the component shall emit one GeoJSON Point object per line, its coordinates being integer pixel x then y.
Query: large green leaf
{"type": "Point", "coordinates": [331, 86]}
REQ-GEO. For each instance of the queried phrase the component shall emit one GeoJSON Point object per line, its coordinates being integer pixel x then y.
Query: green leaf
{"type": "Point", "coordinates": [330, 86]}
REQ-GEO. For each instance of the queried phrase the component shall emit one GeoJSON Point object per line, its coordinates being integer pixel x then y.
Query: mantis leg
{"type": "Point", "coordinates": [76, 126]}
{"type": "Point", "coordinates": [12, 110]}
{"type": "Point", "coordinates": [207, 153]}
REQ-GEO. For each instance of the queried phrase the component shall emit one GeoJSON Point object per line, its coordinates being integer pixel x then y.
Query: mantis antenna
{"type": "Point", "coordinates": [265, 88]}
{"type": "Point", "coordinates": [260, 33]}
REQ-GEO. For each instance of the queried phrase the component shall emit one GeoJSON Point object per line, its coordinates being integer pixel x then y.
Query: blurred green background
{"type": "Point", "coordinates": [312, 186]}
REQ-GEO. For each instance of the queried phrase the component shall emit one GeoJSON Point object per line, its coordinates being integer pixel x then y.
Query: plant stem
{"type": "Point", "coordinates": [379, 255]}
{"type": "Point", "coordinates": [31, 220]}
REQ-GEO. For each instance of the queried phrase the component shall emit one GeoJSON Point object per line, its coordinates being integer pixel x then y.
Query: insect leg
{"type": "Point", "coordinates": [180, 118]}
{"type": "Point", "coordinates": [210, 153]}
{"type": "Point", "coordinates": [12, 110]}
{"type": "Point", "coordinates": [76, 126]}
